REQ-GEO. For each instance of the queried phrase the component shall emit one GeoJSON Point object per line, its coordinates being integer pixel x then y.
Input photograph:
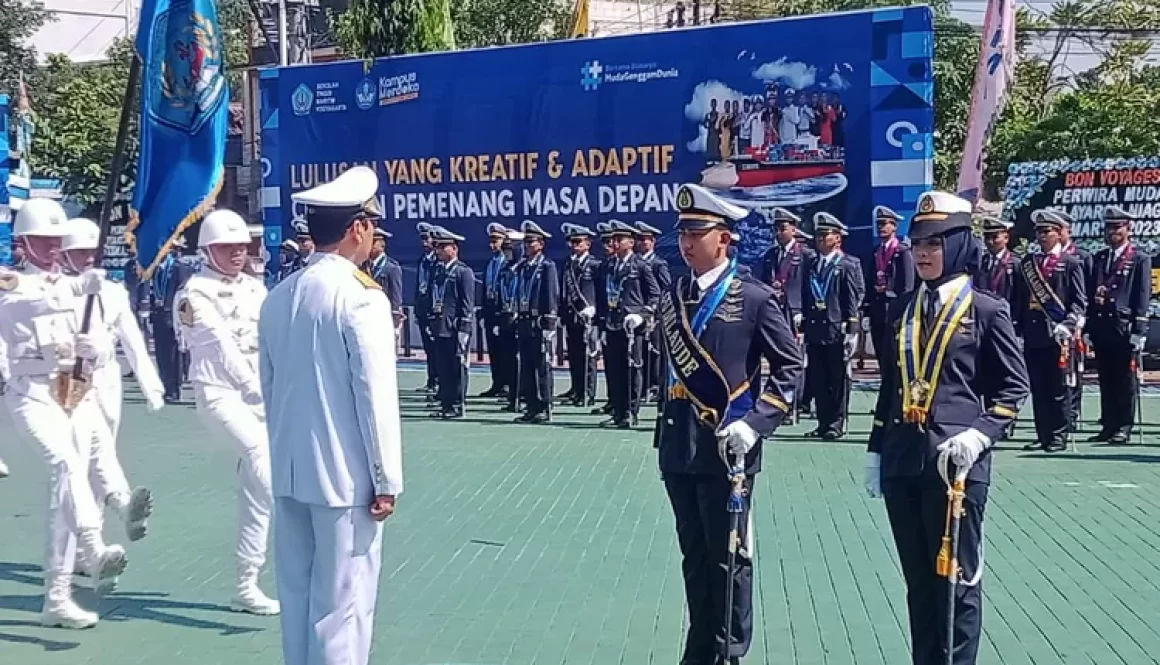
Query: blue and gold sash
{"type": "Point", "coordinates": [921, 356]}
{"type": "Point", "coordinates": [1042, 295]}
{"type": "Point", "coordinates": [693, 374]}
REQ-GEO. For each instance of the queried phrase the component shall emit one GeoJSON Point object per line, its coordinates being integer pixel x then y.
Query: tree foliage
{"type": "Point", "coordinates": [375, 28]}
{"type": "Point", "coordinates": [500, 22]}
{"type": "Point", "coordinates": [19, 21]}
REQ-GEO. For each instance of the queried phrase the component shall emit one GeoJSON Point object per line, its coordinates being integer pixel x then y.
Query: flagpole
{"type": "Point", "coordinates": [117, 168]}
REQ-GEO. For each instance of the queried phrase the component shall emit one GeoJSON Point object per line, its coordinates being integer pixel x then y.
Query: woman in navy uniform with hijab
{"type": "Point", "coordinates": [717, 323]}
{"type": "Point", "coordinates": [953, 379]}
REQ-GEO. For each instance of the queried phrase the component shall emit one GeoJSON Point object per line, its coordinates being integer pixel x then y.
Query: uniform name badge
{"type": "Point", "coordinates": [820, 305]}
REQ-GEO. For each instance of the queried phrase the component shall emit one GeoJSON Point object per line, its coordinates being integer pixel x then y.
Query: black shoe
{"type": "Point", "coordinates": [491, 392]}
{"type": "Point", "coordinates": [541, 418]}
{"type": "Point", "coordinates": [1118, 439]}
{"type": "Point", "coordinates": [453, 414]}
{"type": "Point", "coordinates": [611, 422]}
{"type": "Point", "coordinates": [1104, 435]}
{"type": "Point", "coordinates": [832, 435]}
{"type": "Point", "coordinates": [1055, 446]}
{"type": "Point", "coordinates": [1034, 446]}
{"type": "Point", "coordinates": [566, 396]}
{"type": "Point", "coordinates": [814, 433]}
{"type": "Point", "coordinates": [602, 410]}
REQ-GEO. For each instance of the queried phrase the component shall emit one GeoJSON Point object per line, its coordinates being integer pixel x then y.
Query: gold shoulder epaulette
{"type": "Point", "coordinates": [366, 280]}
{"type": "Point", "coordinates": [8, 280]}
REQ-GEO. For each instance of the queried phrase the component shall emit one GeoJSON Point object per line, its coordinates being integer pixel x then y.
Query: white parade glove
{"type": "Point", "coordinates": [797, 320]}
{"type": "Point", "coordinates": [154, 401]}
{"type": "Point", "coordinates": [1061, 333]}
{"type": "Point", "coordinates": [851, 343]}
{"type": "Point", "coordinates": [866, 323]}
{"type": "Point", "coordinates": [965, 447]}
{"type": "Point", "coordinates": [1137, 342]}
{"type": "Point", "coordinates": [736, 440]}
{"type": "Point", "coordinates": [463, 340]}
{"type": "Point", "coordinates": [633, 321]}
{"type": "Point", "coordinates": [588, 312]}
{"type": "Point", "coordinates": [1087, 340]}
{"type": "Point", "coordinates": [874, 475]}
{"type": "Point", "coordinates": [91, 281]}
{"type": "Point", "coordinates": [97, 349]}
{"type": "Point", "coordinates": [495, 330]}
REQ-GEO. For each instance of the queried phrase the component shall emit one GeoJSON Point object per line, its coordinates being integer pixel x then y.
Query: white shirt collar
{"type": "Point", "coordinates": [648, 256]}
{"type": "Point", "coordinates": [1119, 251]}
{"type": "Point", "coordinates": [579, 257]}
{"type": "Point", "coordinates": [1001, 255]}
{"type": "Point", "coordinates": [710, 278]}
{"type": "Point", "coordinates": [788, 247]}
{"type": "Point", "coordinates": [1057, 250]}
{"type": "Point", "coordinates": [946, 289]}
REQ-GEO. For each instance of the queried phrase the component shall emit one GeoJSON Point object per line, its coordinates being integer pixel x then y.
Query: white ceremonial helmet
{"type": "Point", "coordinates": [82, 234]}
{"type": "Point", "coordinates": [40, 217]}
{"type": "Point", "coordinates": [223, 227]}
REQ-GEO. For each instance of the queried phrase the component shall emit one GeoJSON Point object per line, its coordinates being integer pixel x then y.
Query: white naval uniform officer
{"type": "Point", "coordinates": [217, 311]}
{"type": "Point", "coordinates": [328, 376]}
{"type": "Point", "coordinates": [38, 327]}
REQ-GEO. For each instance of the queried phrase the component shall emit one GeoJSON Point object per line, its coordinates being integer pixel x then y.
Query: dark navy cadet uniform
{"type": "Point", "coordinates": [167, 280]}
{"type": "Point", "coordinates": [783, 267]}
{"type": "Point", "coordinates": [962, 409]}
{"type": "Point", "coordinates": [538, 294]}
{"type": "Point", "coordinates": [578, 312]}
{"type": "Point", "coordinates": [1050, 301]}
{"type": "Point", "coordinates": [891, 273]}
{"type": "Point", "coordinates": [451, 320]}
{"type": "Point", "coordinates": [424, 274]}
{"type": "Point", "coordinates": [831, 302]}
{"type": "Point", "coordinates": [1117, 324]}
{"type": "Point", "coordinates": [388, 274]}
{"type": "Point", "coordinates": [1075, 385]}
{"type": "Point", "coordinates": [997, 271]}
{"type": "Point", "coordinates": [492, 312]}
{"type": "Point", "coordinates": [717, 328]}
{"type": "Point", "coordinates": [626, 303]}
{"type": "Point", "coordinates": [653, 376]}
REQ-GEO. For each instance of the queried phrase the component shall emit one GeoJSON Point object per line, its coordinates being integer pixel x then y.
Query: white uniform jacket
{"type": "Point", "coordinates": [114, 310]}
{"type": "Point", "coordinates": [218, 317]}
{"type": "Point", "coordinates": [330, 388]}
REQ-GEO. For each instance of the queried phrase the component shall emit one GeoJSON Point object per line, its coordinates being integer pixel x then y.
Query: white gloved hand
{"type": "Point", "coordinates": [588, 312]}
{"type": "Point", "coordinates": [797, 320]}
{"type": "Point", "coordinates": [736, 440]}
{"type": "Point", "coordinates": [965, 447]}
{"type": "Point", "coordinates": [633, 321]}
{"type": "Point", "coordinates": [97, 349]}
{"type": "Point", "coordinates": [1137, 342]}
{"type": "Point", "coordinates": [850, 343]}
{"type": "Point", "coordinates": [91, 281]}
{"type": "Point", "coordinates": [495, 330]}
{"type": "Point", "coordinates": [1087, 340]}
{"type": "Point", "coordinates": [865, 323]}
{"type": "Point", "coordinates": [154, 401]}
{"type": "Point", "coordinates": [874, 475]}
{"type": "Point", "coordinates": [1061, 333]}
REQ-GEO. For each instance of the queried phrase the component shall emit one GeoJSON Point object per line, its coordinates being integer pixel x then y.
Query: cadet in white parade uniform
{"type": "Point", "coordinates": [38, 328]}
{"type": "Point", "coordinates": [217, 310]}
{"type": "Point", "coordinates": [335, 431]}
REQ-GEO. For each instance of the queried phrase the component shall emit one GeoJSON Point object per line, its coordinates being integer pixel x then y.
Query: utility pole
{"type": "Point", "coordinates": [283, 47]}
{"type": "Point", "coordinates": [696, 12]}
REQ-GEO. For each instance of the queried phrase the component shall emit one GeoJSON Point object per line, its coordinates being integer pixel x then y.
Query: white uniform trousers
{"type": "Point", "coordinates": [226, 415]}
{"type": "Point", "coordinates": [66, 445]}
{"type": "Point", "coordinates": [328, 563]}
{"type": "Point", "coordinates": [107, 384]}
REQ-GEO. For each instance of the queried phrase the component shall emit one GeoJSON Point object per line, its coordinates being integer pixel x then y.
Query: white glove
{"type": "Point", "coordinates": [1061, 333]}
{"type": "Point", "coordinates": [154, 401]}
{"type": "Point", "coordinates": [736, 440]}
{"type": "Point", "coordinates": [1137, 342]}
{"type": "Point", "coordinates": [865, 323]}
{"type": "Point", "coordinates": [874, 475]}
{"type": "Point", "coordinates": [797, 320]}
{"type": "Point", "coordinates": [1087, 340]}
{"type": "Point", "coordinates": [588, 312]}
{"type": "Point", "coordinates": [851, 343]}
{"type": "Point", "coordinates": [633, 321]}
{"type": "Point", "coordinates": [91, 281]}
{"type": "Point", "coordinates": [97, 349]}
{"type": "Point", "coordinates": [965, 447]}
{"type": "Point", "coordinates": [495, 330]}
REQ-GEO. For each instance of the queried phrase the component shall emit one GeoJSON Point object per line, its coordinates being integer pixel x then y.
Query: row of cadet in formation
{"type": "Point", "coordinates": [1069, 305]}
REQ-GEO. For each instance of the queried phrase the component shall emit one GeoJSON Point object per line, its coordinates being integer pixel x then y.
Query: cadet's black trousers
{"type": "Point", "coordinates": [1049, 395]}
{"type": "Point", "coordinates": [169, 363]}
{"type": "Point", "coordinates": [505, 357]}
{"type": "Point", "coordinates": [700, 505]}
{"type": "Point", "coordinates": [917, 508]}
{"type": "Point", "coordinates": [581, 365]}
{"type": "Point", "coordinates": [654, 362]}
{"type": "Point", "coordinates": [1117, 384]}
{"type": "Point", "coordinates": [495, 354]}
{"type": "Point", "coordinates": [430, 351]}
{"type": "Point", "coordinates": [828, 384]}
{"type": "Point", "coordinates": [451, 371]}
{"type": "Point", "coordinates": [535, 375]}
{"type": "Point", "coordinates": [622, 369]}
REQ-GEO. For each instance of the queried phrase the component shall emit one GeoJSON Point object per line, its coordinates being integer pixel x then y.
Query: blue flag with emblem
{"type": "Point", "coordinates": [183, 123]}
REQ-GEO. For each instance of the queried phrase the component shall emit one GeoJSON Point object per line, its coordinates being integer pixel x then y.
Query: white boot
{"type": "Point", "coordinates": [59, 609]}
{"type": "Point", "coordinates": [104, 562]}
{"type": "Point", "coordinates": [134, 511]}
{"type": "Point", "coordinates": [3, 469]}
{"type": "Point", "coordinates": [249, 598]}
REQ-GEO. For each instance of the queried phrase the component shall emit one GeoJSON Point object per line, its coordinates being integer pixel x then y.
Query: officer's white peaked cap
{"type": "Point", "coordinates": [619, 228]}
{"type": "Point", "coordinates": [883, 213]}
{"type": "Point", "coordinates": [1051, 218]}
{"type": "Point", "coordinates": [497, 230]}
{"type": "Point", "coordinates": [604, 229]}
{"type": "Point", "coordinates": [82, 234]}
{"type": "Point", "coordinates": [994, 224]}
{"type": "Point", "coordinates": [440, 236]}
{"type": "Point", "coordinates": [40, 217]}
{"type": "Point", "coordinates": [382, 233]}
{"type": "Point", "coordinates": [644, 229]}
{"type": "Point", "coordinates": [571, 230]}
{"type": "Point", "coordinates": [223, 227]}
{"type": "Point", "coordinates": [531, 229]}
{"type": "Point", "coordinates": [356, 188]}
{"type": "Point", "coordinates": [699, 208]}
{"type": "Point", "coordinates": [938, 213]}
{"type": "Point", "coordinates": [783, 215]}
{"type": "Point", "coordinates": [824, 221]}
{"type": "Point", "coordinates": [1116, 215]}
{"type": "Point", "coordinates": [290, 244]}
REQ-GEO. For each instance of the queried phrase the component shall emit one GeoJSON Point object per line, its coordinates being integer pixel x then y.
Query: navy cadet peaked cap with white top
{"type": "Point", "coordinates": [441, 236]}
{"type": "Point", "coordinates": [824, 221]}
{"type": "Point", "coordinates": [883, 214]}
{"type": "Point", "coordinates": [700, 210]}
{"type": "Point", "coordinates": [1116, 215]}
{"type": "Point", "coordinates": [938, 213]}
{"type": "Point", "coordinates": [604, 229]}
{"type": "Point", "coordinates": [1052, 219]}
{"type": "Point", "coordinates": [619, 228]}
{"type": "Point", "coordinates": [994, 224]}
{"type": "Point", "coordinates": [532, 230]}
{"type": "Point", "coordinates": [352, 195]}
{"type": "Point", "coordinates": [781, 215]}
{"type": "Point", "coordinates": [644, 230]}
{"type": "Point", "coordinates": [382, 233]}
{"type": "Point", "coordinates": [573, 231]}
{"type": "Point", "coordinates": [497, 230]}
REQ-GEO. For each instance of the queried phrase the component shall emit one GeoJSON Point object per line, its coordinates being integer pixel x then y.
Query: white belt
{"type": "Point", "coordinates": [35, 366]}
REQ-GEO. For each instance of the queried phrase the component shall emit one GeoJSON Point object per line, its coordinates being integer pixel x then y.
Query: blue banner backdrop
{"type": "Point", "coordinates": [815, 113]}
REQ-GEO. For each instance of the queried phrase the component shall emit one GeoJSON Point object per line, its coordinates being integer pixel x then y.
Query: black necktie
{"type": "Point", "coordinates": [929, 310]}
